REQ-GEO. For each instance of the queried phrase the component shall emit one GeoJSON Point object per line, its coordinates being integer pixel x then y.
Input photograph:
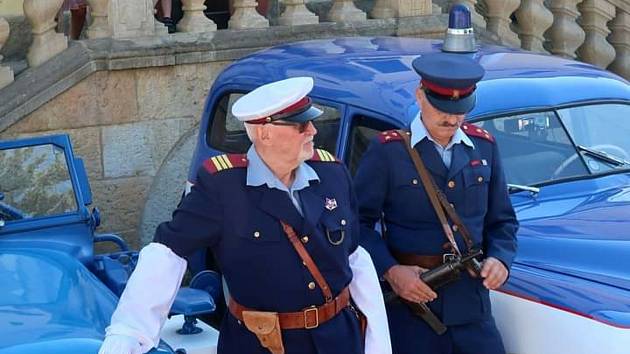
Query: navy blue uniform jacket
{"type": "Point", "coordinates": [388, 184]}
{"type": "Point", "coordinates": [241, 225]}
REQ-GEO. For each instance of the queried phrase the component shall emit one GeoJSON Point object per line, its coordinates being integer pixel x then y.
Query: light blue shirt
{"type": "Point", "coordinates": [419, 132]}
{"type": "Point", "coordinates": [258, 174]}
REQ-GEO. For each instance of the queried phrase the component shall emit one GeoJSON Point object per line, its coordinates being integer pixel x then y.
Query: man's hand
{"type": "Point", "coordinates": [120, 344]}
{"type": "Point", "coordinates": [406, 283]}
{"type": "Point", "coordinates": [494, 273]}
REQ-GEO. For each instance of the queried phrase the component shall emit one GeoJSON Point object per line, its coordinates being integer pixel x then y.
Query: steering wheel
{"type": "Point", "coordinates": [601, 147]}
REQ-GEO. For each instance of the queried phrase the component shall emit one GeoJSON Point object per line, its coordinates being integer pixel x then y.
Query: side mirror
{"type": "Point", "coordinates": [84, 184]}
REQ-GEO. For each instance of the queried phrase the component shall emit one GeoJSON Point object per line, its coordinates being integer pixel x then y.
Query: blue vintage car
{"type": "Point", "coordinates": [563, 128]}
{"type": "Point", "coordinates": [56, 294]}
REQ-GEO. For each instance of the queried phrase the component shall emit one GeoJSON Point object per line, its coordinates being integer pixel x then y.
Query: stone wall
{"type": "Point", "coordinates": [124, 124]}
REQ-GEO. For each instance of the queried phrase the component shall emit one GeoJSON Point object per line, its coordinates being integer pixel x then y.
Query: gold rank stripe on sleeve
{"type": "Point", "coordinates": [323, 156]}
{"type": "Point", "coordinates": [224, 162]}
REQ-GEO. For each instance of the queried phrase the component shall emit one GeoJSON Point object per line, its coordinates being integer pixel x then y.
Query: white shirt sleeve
{"type": "Point", "coordinates": [148, 296]}
{"type": "Point", "coordinates": [366, 293]}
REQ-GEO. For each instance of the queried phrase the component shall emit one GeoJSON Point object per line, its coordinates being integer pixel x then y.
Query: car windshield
{"type": "Point", "coordinates": [34, 182]}
{"type": "Point", "coordinates": [541, 147]}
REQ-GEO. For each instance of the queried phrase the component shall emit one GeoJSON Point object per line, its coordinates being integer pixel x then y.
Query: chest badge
{"type": "Point", "coordinates": [331, 204]}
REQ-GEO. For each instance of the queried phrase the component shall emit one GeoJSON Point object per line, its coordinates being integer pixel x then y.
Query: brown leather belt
{"type": "Point", "coordinates": [310, 317]}
{"type": "Point", "coordinates": [428, 262]}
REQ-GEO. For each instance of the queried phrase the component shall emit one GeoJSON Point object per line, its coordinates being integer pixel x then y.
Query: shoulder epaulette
{"type": "Point", "coordinates": [323, 156]}
{"type": "Point", "coordinates": [225, 162]}
{"type": "Point", "coordinates": [388, 136]}
{"type": "Point", "coordinates": [473, 130]}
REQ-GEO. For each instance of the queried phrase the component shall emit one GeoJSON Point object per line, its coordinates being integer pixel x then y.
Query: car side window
{"type": "Point", "coordinates": [363, 130]}
{"type": "Point", "coordinates": [227, 134]}
{"type": "Point", "coordinates": [534, 148]}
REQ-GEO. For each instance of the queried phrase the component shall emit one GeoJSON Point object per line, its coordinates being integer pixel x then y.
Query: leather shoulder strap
{"type": "Point", "coordinates": [308, 261]}
{"type": "Point", "coordinates": [437, 198]}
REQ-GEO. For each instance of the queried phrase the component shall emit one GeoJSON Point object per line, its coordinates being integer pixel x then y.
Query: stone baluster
{"type": "Point", "coordinates": [194, 19]}
{"type": "Point", "coordinates": [131, 18]}
{"type": "Point", "coordinates": [6, 74]}
{"type": "Point", "coordinates": [620, 39]}
{"type": "Point", "coordinates": [565, 35]}
{"type": "Point", "coordinates": [382, 9]}
{"type": "Point", "coordinates": [498, 20]}
{"type": "Point", "coordinates": [296, 13]}
{"type": "Point", "coordinates": [246, 16]}
{"type": "Point", "coordinates": [46, 42]}
{"type": "Point", "coordinates": [99, 27]}
{"type": "Point", "coordinates": [533, 20]}
{"type": "Point", "coordinates": [595, 49]}
{"type": "Point", "coordinates": [345, 11]}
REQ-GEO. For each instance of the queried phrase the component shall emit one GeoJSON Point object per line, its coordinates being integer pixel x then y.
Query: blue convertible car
{"type": "Point", "coordinates": [56, 294]}
{"type": "Point", "coordinates": [563, 128]}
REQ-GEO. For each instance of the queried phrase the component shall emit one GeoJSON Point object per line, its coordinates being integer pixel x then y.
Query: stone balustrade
{"type": "Point", "coordinates": [594, 31]}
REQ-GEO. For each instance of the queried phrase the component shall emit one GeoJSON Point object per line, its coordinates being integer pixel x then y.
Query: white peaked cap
{"type": "Point", "coordinates": [271, 98]}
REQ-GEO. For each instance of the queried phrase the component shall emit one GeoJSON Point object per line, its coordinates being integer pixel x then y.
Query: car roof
{"type": "Point", "coordinates": [375, 73]}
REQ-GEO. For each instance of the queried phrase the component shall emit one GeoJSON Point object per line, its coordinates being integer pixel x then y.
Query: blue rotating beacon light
{"type": "Point", "coordinates": [460, 37]}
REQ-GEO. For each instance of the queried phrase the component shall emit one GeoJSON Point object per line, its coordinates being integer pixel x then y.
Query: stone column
{"type": "Point", "coordinates": [46, 42]}
{"type": "Point", "coordinates": [194, 19]}
{"type": "Point", "coordinates": [296, 13]}
{"type": "Point", "coordinates": [99, 27]}
{"type": "Point", "coordinates": [345, 11]}
{"type": "Point", "coordinates": [596, 50]}
{"type": "Point", "coordinates": [564, 36]}
{"type": "Point", "coordinates": [245, 15]}
{"type": "Point", "coordinates": [6, 74]}
{"type": "Point", "coordinates": [382, 9]}
{"type": "Point", "coordinates": [131, 18]}
{"type": "Point", "coordinates": [620, 39]}
{"type": "Point", "coordinates": [498, 20]}
{"type": "Point", "coordinates": [533, 20]}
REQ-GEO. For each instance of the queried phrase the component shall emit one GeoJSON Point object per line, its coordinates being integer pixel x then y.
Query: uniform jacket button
{"type": "Point", "coordinates": [311, 285]}
{"type": "Point", "coordinates": [343, 222]}
{"type": "Point", "coordinates": [451, 184]}
{"type": "Point", "coordinates": [257, 234]}
{"type": "Point", "coordinates": [305, 239]}
{"type": "Point", "coordinates": [479, 179]}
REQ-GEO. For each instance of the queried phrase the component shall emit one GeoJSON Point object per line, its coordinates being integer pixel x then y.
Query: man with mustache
{"type": "Point", "coordinates": [420, 232]}
{"type": "Point", "coordinates": [282, 223]}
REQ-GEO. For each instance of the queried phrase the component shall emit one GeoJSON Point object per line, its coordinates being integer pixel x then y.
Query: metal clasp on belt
{"type": "Point", "coordinates": [314, 310]}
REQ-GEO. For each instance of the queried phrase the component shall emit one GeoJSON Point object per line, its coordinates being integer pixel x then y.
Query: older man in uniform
{"type": "Point", "coordinates": [282, 222]}
{"type": "Point", "coordinates": [464, 163]}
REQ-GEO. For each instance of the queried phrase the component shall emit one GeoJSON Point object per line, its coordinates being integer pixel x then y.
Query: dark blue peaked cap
{"type": "Point", "coordinates": [449, 80]}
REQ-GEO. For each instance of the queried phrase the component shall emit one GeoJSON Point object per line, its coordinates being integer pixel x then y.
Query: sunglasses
{"type": "Point", "coordinates": [301, 127]}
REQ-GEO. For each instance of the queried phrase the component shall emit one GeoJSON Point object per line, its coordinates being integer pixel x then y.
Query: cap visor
{"type": "Point", "coordinates": [309, 114]}
{"type": "Point", "coordinates": [461, 106]}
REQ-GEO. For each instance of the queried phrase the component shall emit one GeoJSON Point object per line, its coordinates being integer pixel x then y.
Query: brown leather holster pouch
{"type": "Point", "coordinates": [266, 326]}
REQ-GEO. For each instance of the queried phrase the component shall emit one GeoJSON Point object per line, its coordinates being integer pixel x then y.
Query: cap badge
{"type": "Point", "coordinates": [331, 203]}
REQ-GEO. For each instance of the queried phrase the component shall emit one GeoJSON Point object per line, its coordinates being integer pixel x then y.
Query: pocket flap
{"type": "Point", "coordinates": [260, 322]}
